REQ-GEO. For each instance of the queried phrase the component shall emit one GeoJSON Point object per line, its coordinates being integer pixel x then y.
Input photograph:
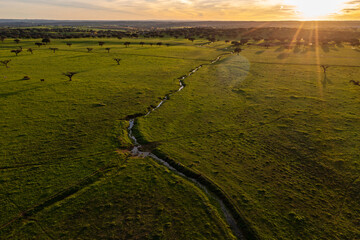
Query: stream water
{"type": "Point", "coordinates": [136, 151]}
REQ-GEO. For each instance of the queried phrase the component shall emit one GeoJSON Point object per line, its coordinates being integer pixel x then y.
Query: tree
{"type": "Point", "coordinates": [141, 43]}
{"type": "Point", "coordinates": [159, 44]}
{"type": "Point", "coordinates": [46, 41]}
{"type": "Point", "coordinates": [5, 62]}
{"type": "Point", "coordinates": [244, 41]}
{"type": "Point", "coordinates": [237, 50]}
{"type": "Point", "coordinates": [39, 44]}
{"type": "Point", "coordinates": [191, 39]}
{"type": "Point", "coordinates": [107, 49]}
{"type": "Point", "coordinates": [235, 43]}
{"type": "Point", "coordinates": [30, 50]}
{"type": "Point", "coordinates": [17, 41]}
{"type": "Point", "coordinates": [16, 51]}
{"type": "Point", "coordinates": [2, 39]}
{"type": "Point", "coordinates": [355, 82]}
{"type": "Point", "coordinates": [168, 44]}
{"type": "Point", "coordinates": [151, 44]}
{"type": "Point", "coordinates": [355, 42]}
{"type": "Point", "coordinates": [212, 39]}
{"type": "Point", "coordinates": [54, 49]}
{"type": "Point", "coordinates": [101, 44]}
{"type": "Point", "coordinates": [117, 60]}
{"type": "Point", "coordinates": [126, 44]}
{"type": "Point", "coordinates": [325, 67]}
{"type": "Point", "coordinates": [69, 44]}
{"type": "Point", "coordinates": [89, 49]}
{"type": "Point", "coordinates": [70, 75]}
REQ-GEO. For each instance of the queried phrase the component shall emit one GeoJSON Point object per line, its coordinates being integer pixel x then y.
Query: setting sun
{"type": "Point", "coordinates": [312, 10]}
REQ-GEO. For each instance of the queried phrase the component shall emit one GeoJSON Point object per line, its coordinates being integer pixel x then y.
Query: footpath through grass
{"type": "Point", "coordinates": [280, 138]}
{"type": "Point", "coordinates": [60, 173]}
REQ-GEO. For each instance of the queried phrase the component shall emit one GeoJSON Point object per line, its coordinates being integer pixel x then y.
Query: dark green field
{"type": "Point", "coordinates": [280, 139]}
{"type": "Point", "coordinates": [266, 126]}
{"type": "Point", "coordinates": [62, 173]}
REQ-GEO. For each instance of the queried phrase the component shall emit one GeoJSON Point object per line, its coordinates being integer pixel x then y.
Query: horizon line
{"type": "Point", "coordinates": [156, 20]}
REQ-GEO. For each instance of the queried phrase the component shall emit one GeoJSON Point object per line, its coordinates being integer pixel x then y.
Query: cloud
{"type": "Point", "coordinates": [69, 4]}
{"type": "Point", "coordinates": [351, 11]}
{"type": "Point", "coordinates": [157, 9]}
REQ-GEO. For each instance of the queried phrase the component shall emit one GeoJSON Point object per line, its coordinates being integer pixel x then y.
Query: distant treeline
{"type": "Point", "coordinates": [269, 34]}
{"type": "Point", "coordinates": [147, 25]}
{"type": "Point", "coordinates": [58, 33]}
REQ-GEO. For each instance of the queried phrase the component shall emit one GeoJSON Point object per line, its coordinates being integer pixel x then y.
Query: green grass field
{"type": "Point", "coordinates": [61, 173]}
{"type": "Point", "coordinates": [281, 141]}
{"type": "Point", "coordinates": [266, 126]}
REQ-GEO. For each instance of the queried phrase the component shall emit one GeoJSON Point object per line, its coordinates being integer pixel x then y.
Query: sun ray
{"type": "Point", "coordinates": [311, 35]}
{"type": "Point", "coordinates": [294, 39]}
{"type": "Point", "coordinates": [317, 52]}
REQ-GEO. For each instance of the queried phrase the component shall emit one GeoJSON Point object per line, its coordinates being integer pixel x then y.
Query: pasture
{"type": "Point", "coordinates": [276, 134]}
{"type": "Point", "coordinates": [267, 126]}
{"type": "Point", "coordinates": [63, 171]}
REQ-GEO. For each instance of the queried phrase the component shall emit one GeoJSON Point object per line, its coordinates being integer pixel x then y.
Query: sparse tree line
{"type": "Point", "coordinates": [190, 34]}
{"type": "Point", "coordinates": [60, 33]}
{"type": "Point", "coordinates": [269, 34]}
{"type": "Point", "coordinates": [47, 41]}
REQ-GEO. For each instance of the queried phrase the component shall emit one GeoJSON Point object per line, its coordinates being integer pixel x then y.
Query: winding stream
{"type": "Point", "coordinates": [136, 151]}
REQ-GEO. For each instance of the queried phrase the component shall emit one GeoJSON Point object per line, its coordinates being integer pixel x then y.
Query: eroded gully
{"type": "Point", "coordinates": [136, 151]}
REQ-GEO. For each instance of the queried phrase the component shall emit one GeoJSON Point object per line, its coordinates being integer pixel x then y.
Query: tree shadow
{"type": "Point", "coordinates": [7, 94]}
{"type": "Point", "coordinates": [3, 95]}
{"type": "Point", "coordinates": [325, 48]}
{"type": "Point", "coordinates": [304, 51]}
{"type": "Point", "coordinates": [296, 50]}
{"type": "Point", "coordinates": [260, 52]}
{"type": "Point", "coordinates": [357, 50]}
{"type": "Point", "coordinates": [326, 81]}
{"type": "Point", "coordinates": [340, 45]}
{"type": "Point", "coordinates": [283, 56]}
{"type": "Point", "coordinates": [17, 80]}
{"type": "Point", "coordinates": [280, 49]}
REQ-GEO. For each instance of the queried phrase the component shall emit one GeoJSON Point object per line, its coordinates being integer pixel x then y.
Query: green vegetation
{"type": "Point", "coordinates": [64, 171]}
{"type": "Point", "coordinates": [277, 136]}
{"type": "Point", "coordinates": [266, 125]}
{"type": "Point", "coordinates": [138, 200]}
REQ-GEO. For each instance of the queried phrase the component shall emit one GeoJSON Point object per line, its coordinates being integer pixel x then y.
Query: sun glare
{"type": "Point", "coordinates": [317, 9]}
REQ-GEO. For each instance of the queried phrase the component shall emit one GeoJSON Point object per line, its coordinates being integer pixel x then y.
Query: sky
{"type": "Point", "coordinates": [222, 10]}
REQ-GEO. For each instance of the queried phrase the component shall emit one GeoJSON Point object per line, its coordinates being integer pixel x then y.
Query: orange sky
{"type": "Point", "coordinates": [182, 9]}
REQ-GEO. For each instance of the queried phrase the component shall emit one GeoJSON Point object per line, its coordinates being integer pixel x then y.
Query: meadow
{"type": "Point", "coordinates": [267, 126]}
{"type": "Point", "coordinates": [276, 134]}
{"type": "Point", "coordinates": [64, 173]}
